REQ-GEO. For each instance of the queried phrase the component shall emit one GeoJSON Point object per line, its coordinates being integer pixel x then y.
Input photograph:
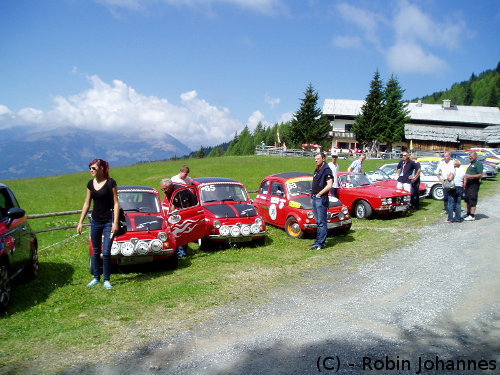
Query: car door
{"type": "Point", "coordinates": [187, 220]}
{"type": "Point", "coordinates": [263, 201]}
{"type": "Point", "coordinates": [277, 203]}
{"type": "Point", "coordinates": [15, 237]}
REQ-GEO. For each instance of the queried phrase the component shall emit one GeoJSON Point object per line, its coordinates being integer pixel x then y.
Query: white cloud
{"type": "Point", "coordinates": [254, 119]}
{"type": "Point", "coordinates": [267, 7]}
{"type": "Point", "coordinates": [285, 117]}
{"type": "Point", "coordinates": [273, 102]}
{"type": "Point", "coordinates": [411, 58]}
{"type": "Point", "coordinates": [118, 107]}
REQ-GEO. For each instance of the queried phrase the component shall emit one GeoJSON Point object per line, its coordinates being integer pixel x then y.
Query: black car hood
{"type": "Point", "coordinates": [306, 202]}
{"type": "Point", "coordinates": [227, 210]}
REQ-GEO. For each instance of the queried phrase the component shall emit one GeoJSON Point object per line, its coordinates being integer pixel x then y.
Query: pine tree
{"type": "Point", "coordinates": [469, 97]}
{"type": "Point", "coordinates": [369, 124]}
{"type": "Point", "coordinates": [492, 98]}
{"type": "Point", "coordinates": [395, 113]}
{"type": "Point", "coordinates": [308, 125]}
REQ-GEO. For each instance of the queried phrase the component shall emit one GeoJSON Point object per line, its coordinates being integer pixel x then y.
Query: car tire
{"type": "Point", "coordinates": [292, 228]}
{"type": "Point", "coordinates": [437, 192]}
{"type": "Point", "coordinates": [4, 286]}
{"type": "Point", "coordinates": [363, 210]}
{"type": "Point", "coordinates": [33, 267]}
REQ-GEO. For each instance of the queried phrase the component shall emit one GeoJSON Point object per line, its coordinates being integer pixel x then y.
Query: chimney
{"type": "Point", "coordinates": [446, 103]}
{"type": "Point", "coordinates": [419, 104]}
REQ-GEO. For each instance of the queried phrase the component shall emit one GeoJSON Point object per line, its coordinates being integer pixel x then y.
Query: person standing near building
{"type": "Point", "coordinates": [103, 191]}
{"type": "Point", "coordinates": [335, 173]}
{"type": "Point", "coordinates": [405, 169]}
{"type": "Point", "coordinates": [321, 185]}
{"type": "Point", "coordinates": [415, 183]}
{"type": "Point", "coordinates": [472, 180]}
{"type": "Point", "coordinates": [444, 168]}
{"type": "Point", "coordinates": [357, 165]}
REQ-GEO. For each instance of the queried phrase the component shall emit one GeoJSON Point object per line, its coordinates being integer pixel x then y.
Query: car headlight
{"type": "Point", "coordinates": [310, 214]}
{"type": "Point", "coordinates": [245, 230]}
{"type": "Point", "coordinates": [127, 248]}
{"type": "Point", "coordinates": [406, 198]}
{"type": "Point", "coordinates": [255, 228]}
{"type": "Point", "coordinates": [235, 231]}
{"type": "Point", "coordinates": [224, 230]}
{"type": "Point", "coordinates": [115, 248]}
{"type": "Point", "coordinates": [258, 221]}
{"type": "Point", "coordinates": [142, 248]}
{"type": "Point", "coordinates": [386, 201]}
{"type": "Point", "coordinates": [156, 245]}
{"type": "Point", "coordinates": [217, 224]}
{"type": "Point", "coordinates": [162, 236]}
{"type": "Point", "coordinates": [341, 216]}
{"type": "Point", "coordinates": [345, 210]}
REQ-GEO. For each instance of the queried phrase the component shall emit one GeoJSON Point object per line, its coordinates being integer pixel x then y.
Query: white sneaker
{"type": "Point", "coordinates": [470, 218]}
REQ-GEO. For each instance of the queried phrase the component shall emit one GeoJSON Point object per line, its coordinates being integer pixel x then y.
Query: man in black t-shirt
{"type": "Point", "coordinates": [321, 184]}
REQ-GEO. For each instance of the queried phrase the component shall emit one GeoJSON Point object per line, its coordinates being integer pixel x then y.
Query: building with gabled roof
{"type": "Point", "coordinates": [432, 126]}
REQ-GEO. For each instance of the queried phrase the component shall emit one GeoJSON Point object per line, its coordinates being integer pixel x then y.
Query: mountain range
{"type": "Point", "coordinates": [28, 152]}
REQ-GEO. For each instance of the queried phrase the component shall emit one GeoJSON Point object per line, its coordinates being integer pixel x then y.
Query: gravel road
{"type": "Point", "coordinates": [432, 304]}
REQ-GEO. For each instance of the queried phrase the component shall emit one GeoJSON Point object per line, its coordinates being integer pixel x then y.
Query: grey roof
{"type": "Point", "coordinates": [444, 134]}
{"type": "Point", "coordinates": [423, 112]}
{"type": "Point", "coordinates": [492, 134]}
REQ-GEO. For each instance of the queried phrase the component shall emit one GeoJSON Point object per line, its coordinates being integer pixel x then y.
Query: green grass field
{"type": "Point", "coordinates": [56, 319]}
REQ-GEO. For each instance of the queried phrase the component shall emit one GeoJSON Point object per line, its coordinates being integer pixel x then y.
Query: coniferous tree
{"type": "Point", "coordinates": [395, 114]}
{"type": "Point", "coordinates": [492, 98]}
{"type": "Point", "coordinates": [308, 125]}
{"type": "Point", "coordinates": [469, 97]}
{"type": "Point", "coordinates": [368, 125]}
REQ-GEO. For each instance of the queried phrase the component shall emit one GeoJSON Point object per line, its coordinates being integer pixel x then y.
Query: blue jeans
{"type": "Point", "coordinates": [446, 194]}
{"type": "Point", "coordinates": [100, 232]}
{"type": "Point", "coordinates": [320, 208]}
{"type": "Point", "coordinates": [454, 204]}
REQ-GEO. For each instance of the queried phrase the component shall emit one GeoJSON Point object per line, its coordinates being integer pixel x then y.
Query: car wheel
{"type": "Point", "coordinates": [4, 286]}
{"type": "Point", "coordinates": [363, 210]}
{"type": "Point", "coordinates": [292, 228]}
{"type": "Point", "coordinates": [34, 265]}
{"type": "Point", "coordinates": [437, 192]}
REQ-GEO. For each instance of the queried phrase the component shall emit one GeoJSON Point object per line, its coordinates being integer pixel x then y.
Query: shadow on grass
{"type": "Point", "coordinates": [29, 293]}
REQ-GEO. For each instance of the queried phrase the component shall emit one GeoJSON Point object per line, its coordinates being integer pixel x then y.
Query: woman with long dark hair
{"type": "Point", "coordinates": [103, 191]}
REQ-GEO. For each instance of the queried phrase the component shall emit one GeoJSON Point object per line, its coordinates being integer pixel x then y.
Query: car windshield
{"type": "Point", "coordinates": [389, 169]}
{"type": "Point", "coordinates": [139, 202]}
{"type": "Point", "coordinates": [220, 192]}
{"type": "Point", "coordinates": [427, 169]}
{"type": "Point", "coordinates": [299, 186]}
{"type": "Point", "coordinates": [377, 175]}
{"type": "Point", "coordinates": [354, 180]}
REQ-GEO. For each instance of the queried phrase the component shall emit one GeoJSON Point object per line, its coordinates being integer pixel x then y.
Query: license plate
{"type": "Point", "coordinates": [400, 208]}
{"type": "Point", "coordinates": [240, 239]}
{"type": "Point", "coordinates": [135, 260]}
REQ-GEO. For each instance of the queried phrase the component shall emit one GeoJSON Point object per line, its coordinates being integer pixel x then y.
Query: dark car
{"type": "Point", "coordinates": [18, 244]}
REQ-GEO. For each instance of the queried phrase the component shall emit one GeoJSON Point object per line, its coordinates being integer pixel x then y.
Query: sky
{"type": "Point", "coordinates": [201, 70]}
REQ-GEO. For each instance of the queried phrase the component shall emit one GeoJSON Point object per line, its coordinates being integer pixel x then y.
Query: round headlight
{"type": "Point", "coordinates": [217, 224]}
{"type": "Point", "coordinates": [255, 228]}
{"type": "Point", "coordinates": [156, 246]}
{"type": "Point", "coordinates": [162, 236]}
{"type": "Point", "coordinates": [345, 210]}
{"type": "Point", "coordinates": [258, 221]}
{"type": "Point", "coordinates": [142, 248]}
{"type": "Point", "coordinates": [235, 231]}
{"type": "Point", "coordinates": [115, 248]}
{"type": "Point", "coordinates": [341, 216]}
{"type": "Point", "coordinates": [310, 214]}
{"type": "Point", "coordinates": [127, 248]}
{"type": "Point", "coordinates": [245, 230]}
{"type": "Point", "coordinates": [224, 230]}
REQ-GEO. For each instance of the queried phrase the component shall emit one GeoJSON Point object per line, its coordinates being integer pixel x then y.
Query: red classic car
{"type": "Point", "coordinates": [228, 211]}
{"type": "Point", "coordinates": [364, 198]}
{"type": "Point", "coordinates": [284, 200]}
{"type": "Point", "coordinates": [153, 235]}
{"type": "Point", "coordinates": [380, 178]}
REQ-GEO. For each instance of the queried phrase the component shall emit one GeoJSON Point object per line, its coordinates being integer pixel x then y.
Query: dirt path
{"type": "Point", "coordinates": [427, 304]}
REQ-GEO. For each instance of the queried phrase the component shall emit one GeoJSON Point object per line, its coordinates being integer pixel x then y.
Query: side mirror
{"type": "Point", "coordinates": [14, 213]}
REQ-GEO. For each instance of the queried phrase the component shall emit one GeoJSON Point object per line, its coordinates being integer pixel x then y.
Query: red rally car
{"type": "Point", "coordinates": [153, 235]}
{"type": "Point", "coordinates": [364, 198]}
{"type": "Point", "coordinates": [229, 214]}
{"type": "Point", "coordinates": [284, 200]}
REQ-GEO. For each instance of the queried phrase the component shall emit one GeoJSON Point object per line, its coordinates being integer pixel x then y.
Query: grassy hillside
{"type": "Point", "coordinates": [55, 320]}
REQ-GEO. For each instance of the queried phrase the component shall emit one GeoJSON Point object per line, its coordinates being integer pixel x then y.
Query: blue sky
{"type": "Point", "coordinates": [202, 69]}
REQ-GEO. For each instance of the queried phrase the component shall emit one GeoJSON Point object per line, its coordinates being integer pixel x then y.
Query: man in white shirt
{"type": "Point", "coordinates": [183, 177]}
{"type": "Point", "coordinates": [443, 170]}
{"type": "Point", "coordinates": [357, 165]}
{"type": "Point", "coordinates": [335, 172]}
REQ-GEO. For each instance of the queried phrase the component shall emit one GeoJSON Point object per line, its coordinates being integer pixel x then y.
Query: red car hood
{"type": "Point", "coordinates": [375, 191]}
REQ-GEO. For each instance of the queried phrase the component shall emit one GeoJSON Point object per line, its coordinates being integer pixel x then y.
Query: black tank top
{"type": "Point", "coordinates": [103, 200]}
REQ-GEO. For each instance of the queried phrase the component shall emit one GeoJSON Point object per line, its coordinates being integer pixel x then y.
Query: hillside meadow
{"type": "Point", "coordinates": [56, 321]}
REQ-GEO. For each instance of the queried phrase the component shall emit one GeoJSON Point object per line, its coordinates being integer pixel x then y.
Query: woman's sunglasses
{"type": "Point", "coordinates": [93, 168]}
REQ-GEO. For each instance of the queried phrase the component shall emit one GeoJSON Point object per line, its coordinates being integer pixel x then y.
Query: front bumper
{"type": "Point", "coordinates": [331, 225]}
{"type": "Point", "coordinates": [398, 208]}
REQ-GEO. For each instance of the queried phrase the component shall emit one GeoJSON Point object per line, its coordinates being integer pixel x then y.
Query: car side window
{"type": "Point", "coordinates": [277, 189]}
{"type": "Point", "coordinates": [184, 199]}
{"type": "Point", "coordinates": [5, 203]}
{"type": "Point", "coordinates": [264, 189]}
